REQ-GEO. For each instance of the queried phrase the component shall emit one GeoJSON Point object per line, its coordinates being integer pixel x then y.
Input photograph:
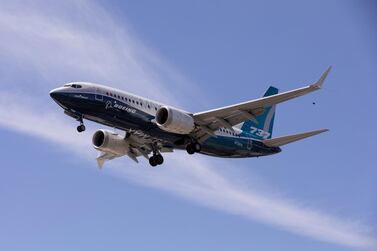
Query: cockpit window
{"type": "Point", "coordinates": [73, 86]}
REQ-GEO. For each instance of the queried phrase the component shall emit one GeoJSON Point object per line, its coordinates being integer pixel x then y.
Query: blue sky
{"type": "Point", "coordinates": [318, 194]}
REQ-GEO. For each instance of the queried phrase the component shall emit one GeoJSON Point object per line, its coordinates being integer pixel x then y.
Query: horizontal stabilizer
{"type": "Point", "coordinates": [280, 141]}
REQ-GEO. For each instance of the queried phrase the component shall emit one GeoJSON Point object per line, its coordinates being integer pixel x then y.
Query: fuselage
{"type": "Point", "coordinates": [135, 114]}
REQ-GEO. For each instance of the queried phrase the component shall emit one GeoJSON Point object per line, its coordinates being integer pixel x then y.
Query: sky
{"type": "Point", "coordinates": [317, 194]}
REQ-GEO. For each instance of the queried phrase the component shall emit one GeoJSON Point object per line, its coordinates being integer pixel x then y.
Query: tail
{"type": "Point", "coordinates": [261, 127]}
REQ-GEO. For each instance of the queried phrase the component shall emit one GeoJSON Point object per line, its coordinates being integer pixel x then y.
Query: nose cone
{"type": "Point", "coordinates": [53, 94]}
{"type": "Point", "coordinates": [57, 94]}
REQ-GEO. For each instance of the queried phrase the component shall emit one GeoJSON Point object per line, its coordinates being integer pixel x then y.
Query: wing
{"type": "Point", "coordinates": [229, 116]}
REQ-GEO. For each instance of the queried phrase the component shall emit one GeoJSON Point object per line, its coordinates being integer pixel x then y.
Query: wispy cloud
{"type": "Point", "coordinates": [79, 41]}
{"type": "Point", "coordinates": [68, 42]}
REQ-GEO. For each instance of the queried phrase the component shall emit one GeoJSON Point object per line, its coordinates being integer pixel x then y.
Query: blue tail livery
{"type": "Point", "coordinates": [262, 125]}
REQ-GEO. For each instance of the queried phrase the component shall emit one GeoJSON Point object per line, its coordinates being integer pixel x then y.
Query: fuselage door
{"type": "Point", "coordinates": [98, 95]}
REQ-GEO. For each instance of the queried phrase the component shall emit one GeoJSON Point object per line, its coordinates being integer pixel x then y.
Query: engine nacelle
{"type": "Point", "coordinates": [175, 121]}
{"type": "Point", "coordinates": [110, 142]}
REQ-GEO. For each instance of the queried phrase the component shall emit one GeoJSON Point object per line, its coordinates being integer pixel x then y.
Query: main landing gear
{"type": "Point", "coordinates": [81, 127]}
{"type": "Point", "coordinates": [193, 148]}
{"type": "Point", "coordinates": [156, 159]}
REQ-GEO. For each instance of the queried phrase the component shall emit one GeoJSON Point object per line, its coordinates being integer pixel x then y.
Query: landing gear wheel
{"type": "Point", "coordinates": [193, 148]}
{"type": "Point", "coordinates": [156, 160]}
{"type": "Point", "coordinates": [81, 128]}
{"type": "Point", "coordinates": [190, 149]}
{"type": "Point", "coordinates": [197, 147]}
{"type": "Point", "coordinates": [159, 159]}
{"type": "Point", "coordinates": [152, 161]}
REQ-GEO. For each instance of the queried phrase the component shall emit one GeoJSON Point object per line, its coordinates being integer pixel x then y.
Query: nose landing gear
{"type": "Point", "coordinates": [81, 127]}
{"type": "Point", "coordinates": [77, 116]}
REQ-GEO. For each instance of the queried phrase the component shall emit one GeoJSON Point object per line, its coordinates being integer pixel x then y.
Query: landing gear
{"type": "Point", "coordinates": [81, 127]}
{"type": "Point", "coordinates": [156, 159]}
{"type": "Point", "coordinates": [193, 148]}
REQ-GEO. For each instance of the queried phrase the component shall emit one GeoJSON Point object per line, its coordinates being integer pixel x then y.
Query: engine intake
{"type": "Point", "coordinates": [110, 142]}
{"type": "Point", "coordinates": [175, 121]}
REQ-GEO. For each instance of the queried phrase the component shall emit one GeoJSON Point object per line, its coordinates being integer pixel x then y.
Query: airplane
{"type": "Point", "coordinates": [152, 128]}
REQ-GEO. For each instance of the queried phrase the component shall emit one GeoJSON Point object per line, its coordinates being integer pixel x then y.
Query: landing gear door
{"type": "Point", "coordinates": [98, 94]}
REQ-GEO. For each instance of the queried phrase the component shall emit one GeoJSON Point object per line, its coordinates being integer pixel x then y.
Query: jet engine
{"type": "Point", "coordinates": [110, 142]}
{"type": "Point", "coordinates": [175, 121]}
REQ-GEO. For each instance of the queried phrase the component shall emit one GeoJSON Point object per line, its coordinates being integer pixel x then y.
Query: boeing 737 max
{"type": "Point", "coordinates": [152, 128]}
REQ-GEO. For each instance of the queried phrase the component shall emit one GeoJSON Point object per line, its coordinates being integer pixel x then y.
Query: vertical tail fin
{"type": "Point", "coordinates": [261, 127]}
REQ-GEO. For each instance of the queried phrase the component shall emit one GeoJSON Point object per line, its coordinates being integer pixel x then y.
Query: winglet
{"type": "Point", "coordinates": [320, 82]}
